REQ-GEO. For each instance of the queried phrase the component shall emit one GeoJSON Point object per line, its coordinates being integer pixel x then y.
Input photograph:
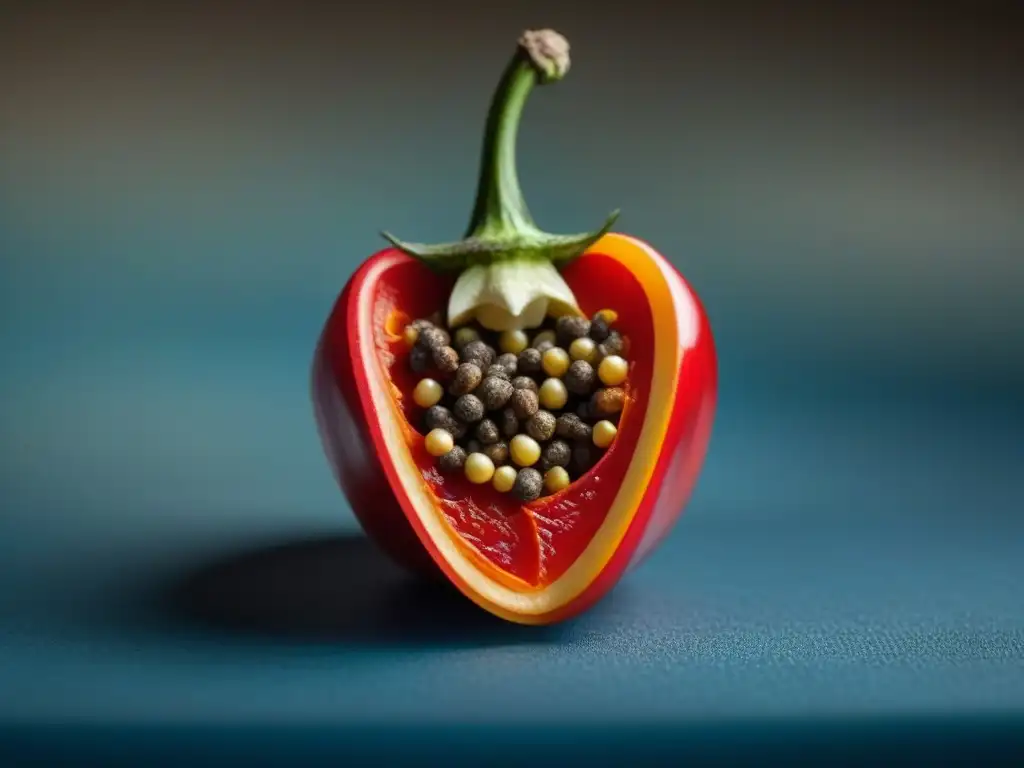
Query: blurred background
{"type": "Point", "coordinates": [185, 188]}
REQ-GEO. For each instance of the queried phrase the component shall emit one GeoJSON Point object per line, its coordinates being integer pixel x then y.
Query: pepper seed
{"type": "Point", "coordinates": [524, 382]}
{"type": "Point", "coordinates": [469, 409]}
{"type": "Point", "coordinates": [524, 403]}
{"type": "Point", "coordinates": [599, 327]}
{"type": "Point", "coordinates": [433, 338]}
{"type": "Point", "coordinates": [495, 392]}
{"type": "Point", "coordinates": [478, 352]}
{"type": "Point", "coordinates": [608, 401]}
{"type": "Point", "coordinates": [544, 336]}
{"type": "Point", "coordinates": [496, 452]}
{"type": "Point", "coordinates": [529, 361]}
{"type": "Point", "coordinates": [419, 359]}
{"type": "Point", "coordinates": [467, 378]}
{"type": "Point", "coordinates": [464, 336]}
{"type": "Point", "coordinates": [528, 485]}
{"type": "Point", "coordinates": [557, 454]}
{"type": "Point", "coordinates": [572, 426]}
{"type": "Point", "coordinates": [453, 461]}
{"type": "Point", "coordinates": [509, 423]}
{"type": "Point", "coordinates": [583, 458]}
{"type": "Point", "coordinates": [498, 371]}
{"type": "Point", "coordinates": [509, 362]}
{"type": "Point", "coordinates": [579, 379]}
{"type": "Point", "coordinates": [513, 341]}
{"type": "Point", "coordinates": [613, 345]}
{"type": "Point", "coordinates": [446, 359]}
{"type": "Point", "coordinates": [487, 432]}
{"type": "Point", "coordinates": [541, 426]}
{"type": "Point", "coordinates": [568, 328]}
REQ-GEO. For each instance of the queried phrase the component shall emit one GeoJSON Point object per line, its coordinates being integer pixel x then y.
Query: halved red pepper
{"type": "Point", "coordinates": [552, 558]}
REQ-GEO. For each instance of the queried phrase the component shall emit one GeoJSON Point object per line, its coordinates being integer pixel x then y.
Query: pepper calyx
{"type": "Point", "coordinates": [478, 250]}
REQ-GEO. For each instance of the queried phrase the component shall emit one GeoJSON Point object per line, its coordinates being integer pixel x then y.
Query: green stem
{"type": "Point", "coordinates": [501, 227]}
{"type": "Point", "coordinates": [500, 208]}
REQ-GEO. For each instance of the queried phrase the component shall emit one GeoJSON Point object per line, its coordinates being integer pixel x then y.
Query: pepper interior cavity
{"type": "Point", "coordinates": [541, 407]}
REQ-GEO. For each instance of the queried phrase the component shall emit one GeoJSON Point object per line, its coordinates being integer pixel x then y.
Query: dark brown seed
{"type": "Point", "coordinates": [421, 325]}
{"type": "Point", "coordinates": [419, 359]}
{"type": "Point", "coordinates": [453, 461]}
{"type": "Point", "coordinates": [529, 361]}
{"type": "Point", "coordinates": [509, 362]}
{"type": "Point", "coordinates": [478, 352]}
{"type": "Point", "coordinates": [509, 423]}
{"type": "Point", "coordinates": [541, 426]}
{"type": "Point", "coordinates": [583, 458]}
{"type": "Point", "coordinates": [557, 454]}
{"type": "Point", "coordinates": [613, 345]}
{"type": "Point", "coordinates": [433, 338]}
{"type": "Point", "coordinates": [569, 328]}
{"type": "Point", "coordinates": [529, 485]}
{"type": "Point", "coordinates": [497, 452]}
{"type": "Point", "coordinates": [524, 402]}
{"type": "Point", "coordinates": [487, 432]}
{"type": "Point", "coordinates": [580, 377]}
{"type": "Point", "coordinates": [572, 426]}
{"type": "Point", "coordinates": [599, 328]}
{"type": "Point", "coordinates": [524, 382]}
{"type": "Point", "coordinates": [439, 417]}
{"type": "Point", "coordinates": [474, 446]}
{"type": "Point", "coordinates": [608, 401]}
{"type": "Point", "coordinates": [494, 392]}
{"type": "Point", "coordinates": [498, 371]}
{"type": "Point", "coordinates": [446, 359]}
{"type": "Point", "coordinates": [467, 378]}
{"type": "Point", "coordinates": [468, 409]}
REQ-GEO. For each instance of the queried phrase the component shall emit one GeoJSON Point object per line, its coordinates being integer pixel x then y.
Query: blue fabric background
{"type": "Point", "coordinates": [183, 193]}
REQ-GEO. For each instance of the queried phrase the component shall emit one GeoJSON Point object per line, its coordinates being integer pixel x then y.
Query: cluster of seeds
{"type": "Point", "coordinates": [528, 415]}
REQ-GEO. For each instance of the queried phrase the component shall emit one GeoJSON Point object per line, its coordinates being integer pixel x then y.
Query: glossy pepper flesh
{"type": "Point", "coordinates": [549, 559]}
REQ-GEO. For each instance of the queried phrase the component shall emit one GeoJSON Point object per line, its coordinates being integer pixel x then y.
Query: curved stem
{"type": "Point", "coordinates": [500, 209]}
{"type": "Point", "coordinates": [507, 266]}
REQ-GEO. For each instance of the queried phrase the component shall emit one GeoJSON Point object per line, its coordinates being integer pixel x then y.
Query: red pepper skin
{"type": "Point", "coordinates": [351, 429]}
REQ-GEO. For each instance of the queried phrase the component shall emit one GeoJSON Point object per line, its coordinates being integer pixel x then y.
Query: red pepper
{"type": "Point", "coordinates": [552, 558]}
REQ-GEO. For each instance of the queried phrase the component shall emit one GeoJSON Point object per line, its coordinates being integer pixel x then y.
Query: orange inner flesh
{"type": "Point", "coordinates": [523, 546]}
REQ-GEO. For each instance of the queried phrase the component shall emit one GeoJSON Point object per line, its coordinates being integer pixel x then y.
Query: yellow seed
{"type": "Point", "coordinates": [604, 432]}
{"type": "Point", "coordinates": [513, 341]}
{"type": "Point", "coordinates": [552, 394]}
{"type": "Point", "coordinates": [555, 362]}
{"type": "Point", "coordinates": [410, 335]}
{"type": "Point", "coordinates": [427, 393]}
{"type": "Point", "coordinates": [464, 336]}
{"type": "Point", "coordinates": [544, 336]}
{"type": "Point", "coordinates": [609, 315]}
{"type": "Point", "coordinates": [479, 468]}
{"type": "Point", "coordinates": [613, 370]}
{"type": "Point", "coordinates": [583, 349]}
{"type": "Point", "coordinates": [524, 450]}
{"type": "Point", "coordinates": [438, 442]}
{"type": "Point", "coordinates": [504, 478]}
{"type": "Point", "coordinates": [556, 479]}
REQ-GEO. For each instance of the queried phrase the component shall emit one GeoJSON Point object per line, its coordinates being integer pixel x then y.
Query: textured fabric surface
{"type": "Point", "coordinates": [881, 590]}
